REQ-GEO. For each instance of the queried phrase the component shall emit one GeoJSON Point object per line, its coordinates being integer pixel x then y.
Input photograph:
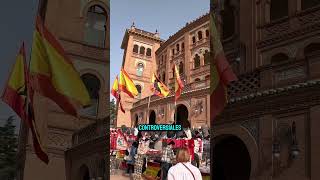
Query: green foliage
{"type": "Point", "coordinates": [113, 112]}
{"type": "Point", "coordinates": [8, 150]}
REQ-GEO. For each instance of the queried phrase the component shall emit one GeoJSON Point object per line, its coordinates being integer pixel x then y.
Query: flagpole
{"type": "Point", "coordinates": [148, 108]}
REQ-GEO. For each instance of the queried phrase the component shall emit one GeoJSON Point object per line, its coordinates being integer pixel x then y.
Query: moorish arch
{"type": "Point", "coordinates": [236, 136]}
{"type": "Point", "coordinates": [84, 173]}
{"type": "Point", "coordinates": [181, 116]}
{"type": "Point", "coordinates": [152, 117]}
{"type": "Point", "coordinates": [136, 120]}
{"type": "Point", "coordinates": [85, 8]}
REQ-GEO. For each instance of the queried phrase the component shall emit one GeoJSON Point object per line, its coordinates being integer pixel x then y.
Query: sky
{"type": "Point", "coordinates": [166, 16]}
{"type": "Point", "coordinates": [17, 19]}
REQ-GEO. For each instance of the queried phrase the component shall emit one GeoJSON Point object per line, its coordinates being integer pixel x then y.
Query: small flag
{"type": "Point", "coordinates": [158, 87]}
{"type": "Point", "coordinates": [116, 93]}
{"type": "Point", "coordinates": [178, 83]}
{"type": "Point", "coordinates": [126, 85]}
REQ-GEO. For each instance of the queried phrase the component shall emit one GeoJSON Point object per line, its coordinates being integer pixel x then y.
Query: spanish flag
{"type": "Point", "coordinates": [15, 92]}
{"type": "Point", "coordinates": [178, 83]}
{"type": "Point", "coordinates": [221, 72]}
{"type": "Point", "coordinates": [126, 84]}
{"type": "Point", "coordinates": [158, 87]}
{"type": "Point", "coordinates": [53, 74]}
{"type": "Point", "coordinates": [115, 92]}
{"type": "Point", "coordinates": [16, 96]}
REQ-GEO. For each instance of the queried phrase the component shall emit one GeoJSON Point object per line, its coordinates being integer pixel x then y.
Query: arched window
{"type": "Point", "coordinates": [206, 57]}
{"type": "Point", "coordinates": [140, 68]}
{"type": "Point", "coordinates": [148, 52]}
{"type": "Point", "coordinates": [312, 49]}
{"type": "Point", "coordinates": [142, 49]}
{"type": "Point", "coordinates": [181, 68]}
{"type": "Point", "coordinates": [172, 52]}
{"type": "Point", "coordinates": [196, 61]}
{"type": "Point", "coordinates": [182, 46]}
{"type": "Point", "coordinates": [139, 88]}
{"type": "Point", "coordinates": [193, 40]}
{"type": "Point", "coordinates": [92, 84]}
{"type": "Point", "coordinates": [279, 58]}
{"type": "Point", "coordinates": [278, 9]}
{"type": "Point", "coordinates": [196, 80]}
{"type": "Point", "coordinates": [307, 4]}
{"type": "Point", "coordinates": [178, 47]}
{"type": "Point", "coordinates": [228, 21]}
{"type": "Point", "coordinates": [135, 48]}
{"type": "Point", "coordinates": [199, 35]}
{"type": "Point", "coordinates": [207, 33]}
{"type": "Point", "coordinates": [95, 26]}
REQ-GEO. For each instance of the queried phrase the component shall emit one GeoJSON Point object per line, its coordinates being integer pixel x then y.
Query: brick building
{"type": "Point", "coordinates": [82, 27]}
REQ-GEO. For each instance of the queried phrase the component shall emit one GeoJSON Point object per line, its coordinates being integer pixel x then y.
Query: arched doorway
{"type": "Point", "coordinates": [231, 159]}
{"type": "Point", "coordinates": [84, 173]}
{"type": "Point", "coordinates": [182, 116]}
{"type": "Point", "coordinates": [136, 120]}
{"type": "Point", "coordinates": [152, 117]}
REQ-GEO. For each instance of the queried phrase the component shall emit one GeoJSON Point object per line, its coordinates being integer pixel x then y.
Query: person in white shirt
{"type": "Point", "coordinates": [184, 170]}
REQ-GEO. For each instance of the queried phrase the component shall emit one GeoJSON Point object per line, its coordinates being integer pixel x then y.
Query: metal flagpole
{"type": "Point", "coordinates": [148, 108]}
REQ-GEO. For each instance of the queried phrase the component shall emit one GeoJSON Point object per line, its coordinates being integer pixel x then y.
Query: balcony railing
{"type": "Point", "coordinates": [200, 70]}
{"type": "Point", "coordinates": [302, 23]}
{"type": "Point", "coordinates": [91, 132]}
{"type": "Point", "coordinates": [200, 42]}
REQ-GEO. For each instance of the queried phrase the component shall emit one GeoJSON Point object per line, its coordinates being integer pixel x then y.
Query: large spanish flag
{"type": "Point", "coordinates": [158, 87]}
{"type": "Point", "coordinates": [221, 72]}
{"type": "Point", "coordinates": [116, 93]}
{"type": "Point", "coordinates": [53, 74]}
{"type": "Point", "coordinates": [178, 86]}
{"type": "Point", "coordinates": [126, 84]}
{"type": "Point", "coordinates": [16, 96]}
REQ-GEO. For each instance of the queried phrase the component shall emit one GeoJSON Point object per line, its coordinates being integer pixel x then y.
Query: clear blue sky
{"type": "Point", "coordinates": [167, 16]}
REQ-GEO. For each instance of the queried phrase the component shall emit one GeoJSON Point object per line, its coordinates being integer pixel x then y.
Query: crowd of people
{"type": "Point", "coordinates": [166, 155]}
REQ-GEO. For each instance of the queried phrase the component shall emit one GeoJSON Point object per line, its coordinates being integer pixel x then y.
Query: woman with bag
{"type": "Point", "coordinates": [130, 157]}
{"type": "Point", "coordinates": [184, 170]}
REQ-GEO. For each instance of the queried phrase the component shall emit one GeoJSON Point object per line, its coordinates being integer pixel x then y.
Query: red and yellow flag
{"type": "Point", "coordinates": [53, 74]}
{"type": "Point", "coordinates": [16, 96]}
{"type": "Point", "coordinates": [126, 84]}
{"type": "Point", "coordinates": [178, 86]}
{"type": "Point", "coordinates": [221, 72]}
{"type": "Point", "coordinates": [115, 92]}
{"type": "Point", "coordinates": [115, 88]}
{"type": "Point", "coordinates": [158, 87]}
{"type": "Point", "coordinates": [15, 92]}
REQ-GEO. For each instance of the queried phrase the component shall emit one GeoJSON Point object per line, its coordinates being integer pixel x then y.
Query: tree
{"type": "Point", "coordinates": [8, 150]}
{"type": "Point", "coordinates": [113, 112]}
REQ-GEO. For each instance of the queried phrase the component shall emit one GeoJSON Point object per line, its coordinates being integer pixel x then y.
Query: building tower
{"type": "Point", "coordinates": [82, 27]}
{"type": "Point", "coordinates": [139, 61]}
